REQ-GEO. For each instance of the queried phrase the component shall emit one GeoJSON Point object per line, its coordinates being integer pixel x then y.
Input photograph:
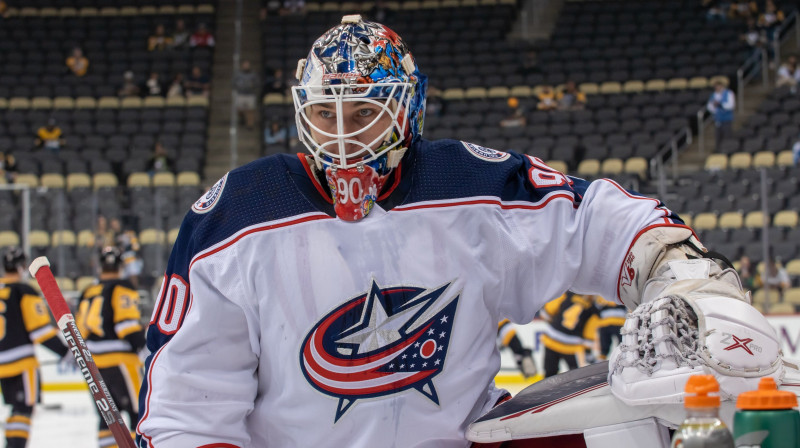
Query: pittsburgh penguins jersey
{"type": "Point", "coordinates": [610, 313]}
{"type": "Point", "coordinates": [24, 321]}
{"type": "Point", "coordinates": [279, 324]}
{"type": "Point", "coordinates": [572, 323]}
{"type": "Point", "coordinates": [109, 321]}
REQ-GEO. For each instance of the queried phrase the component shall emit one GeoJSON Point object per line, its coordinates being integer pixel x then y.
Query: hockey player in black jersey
{"type": "Point", "coordinates": [507, 336]}
{"type": "Point", "coordinates": [24, 321]}
{"type": "Point", "coordinates": [572, 325]}
{"type": "Point", "coordinates": [109, 320]}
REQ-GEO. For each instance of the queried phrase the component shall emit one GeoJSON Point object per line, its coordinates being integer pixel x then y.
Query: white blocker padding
{"type": "Point", "coordinates": [666, 341]}
{"type": "Point", "coordinates": [647, 432]}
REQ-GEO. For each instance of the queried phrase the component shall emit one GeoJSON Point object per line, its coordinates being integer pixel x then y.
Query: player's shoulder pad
{"type": "Point", "coordinates": [474, 170]}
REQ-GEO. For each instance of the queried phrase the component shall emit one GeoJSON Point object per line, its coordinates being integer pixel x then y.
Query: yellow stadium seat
{"type": "Point", "coordinates": [167, 9]}
{"type": "Point", "coordinates": [687, 219]}
{"type": "Point", "coordinates": [329, 6]}
{"type": "Point", "coordinates": [78, 180]}
{"type": "Point", "coordinates": [273, 98]}
{"type": "Point", "coordinates": [557, 165]}
{"type": "Point", "coordinates": [719, 78]}
{"type": "Point", "coordinates": [19, 103]}
{"type": "Point", "coordinates": [151, 236]}
{"type": "Point", "coordinates": [86, 238]}
{"type": "Point", "coordinates": [633, 86]}
{"type": "Point", "coordinates": [781, 308]}
{"type": "Point", "coordinates": [176, 101]}
{"type": "Point", "coordinates": [453, 93]}
{"type": "Point", "coordinates": [164, 179]}
{"type": "Point", "coordinates": [172, 235]}
{"type": "Point", "coordinates": [589, 167]}
{"type": "Point", "coordinates": [716, 162]}
{"type": "Point", "coordinates": [154, 101]}
{"type": "Point", "coordinates": [731, 220]}
{"type": "Point", "coordinates": [754, 220]}
{"type": "Point", "coordinates": [108, 102]}
{"type": "Point", "coordinates": [705, 221]}
{"type": "Point", "coordinates": [188, 178]}
{"type": "Point", "coordinates": [88, 11]}
{"type": "Point", "coordinates": [39, 238]}
{"type": "Point", "coordinates": [792, 295]}
{"type": "Point", "coordinates": [52, 180]}
{"type": "Point", "coordinates": [85, 102]}
{"type": "Point", "coordinates": [785, 158]}
{"type": "Point", "coordinates": [28, 12]}
{"type": "Point", "coordinates": [9, 238]}
{"type": "Point", "coordinates": [197, 100]}
{"type": "Point", "coordinates": [65, 283]}
{"type": "Point", "coordinates": [740, 161]}
{"type": "Point", "coordinates": [109, 11]}
{"type": "Point", "coordinates": [677, 84]}
{"type": "Point", "coordinates": [102, 180]}
{"type": "Point", "coordinates": [521, 91]}
{"type": "Point", "coordinates": [636, 165]}
{"type": "Point", "coordinates": [475, 93]}
{"type": "Point", "coordinates": [63, 238]}
{"type": "Point", "coordinates": [63, 102]}
{"type": "Point", "coordinates": [139, 180]}
{"type": "Point", "coordinates": [41, 102]}
{"type": "Point", "coordinates": [48, 12]}
{"type": "Point", "coordinates": [84, 282]}
{"type": "Point", "coordinates": [131, 102]}
{"type": "Point", "coordinates": [589, 88]}
{"type": "Point", "coordinates": [30, 180]}
{"type": "Point", "coordinates": [764, 159]}
{"type": "Point", "coordinates": [206, 9]}
{"type": "Point", "coordinates": [793, 267]}
{"type": "Point", "coordinates": [68, 12]}
{"type": "Point", "coordinates": [3, 103]}
{"type": "Point", "coordinates": [655, 85]}
{"type": "Point", "coordinates": [698, 82]}
{"type": "Point", "coordinates": [129, 11]}
{"type": "Point", "coordinates": [498, 92]}
{"type": "Point", "coordinates": [610, 87]}
{"type": "Point", "coordinates": [785, 218]}
{"type": "Point", "coordinates": [612, 166]}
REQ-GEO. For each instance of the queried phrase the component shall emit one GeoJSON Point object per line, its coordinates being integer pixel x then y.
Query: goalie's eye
{"type": "Point", "coordinates": [326, 114]}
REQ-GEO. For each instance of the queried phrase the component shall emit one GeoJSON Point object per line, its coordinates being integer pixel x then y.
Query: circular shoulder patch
{"type": "Point", "coordinates": [210, 199]}
{"type": "Point", "coordinates": [484, 153]}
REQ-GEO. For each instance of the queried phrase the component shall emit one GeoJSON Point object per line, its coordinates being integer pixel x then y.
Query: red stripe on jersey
{"type": "Point", "coordinates": [504, 206]}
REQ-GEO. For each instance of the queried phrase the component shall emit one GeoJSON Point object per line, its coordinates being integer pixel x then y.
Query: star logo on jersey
{"type": "Point", "coordinates": [379, 343]}
{"type": "Point", "coordinates": [739, 343]}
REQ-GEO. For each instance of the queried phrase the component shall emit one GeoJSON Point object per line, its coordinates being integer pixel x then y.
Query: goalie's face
{"type": "Point", "coordinates": [364, 127]}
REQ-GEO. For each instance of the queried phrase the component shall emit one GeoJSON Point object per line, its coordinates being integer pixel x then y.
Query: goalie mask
{"type": "Point", "coordinates": [360, 104]}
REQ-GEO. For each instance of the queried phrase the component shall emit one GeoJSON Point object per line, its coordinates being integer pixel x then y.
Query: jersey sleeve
{"type": "Point", "coordinates": [36, 317]}
{"type": "Point", "coordinates": [125, 303]}
{"type": "Point", "coordinates": [200, 382]}
{"type": "Point", "coordinates": [575, 234]}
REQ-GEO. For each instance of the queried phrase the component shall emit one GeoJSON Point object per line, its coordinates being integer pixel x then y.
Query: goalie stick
{"type": "Point", "coordinates": [40, 269]}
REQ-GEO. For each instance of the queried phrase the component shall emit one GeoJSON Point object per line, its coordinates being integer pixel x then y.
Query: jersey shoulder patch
{"type": "Point", "coordinates": [211, 197]}
{"type": "Point", "coordinates": [485, 153]}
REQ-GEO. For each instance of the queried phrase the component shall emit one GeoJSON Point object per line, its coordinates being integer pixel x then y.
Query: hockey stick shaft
{"type": "Point", "coordinates": [40, 269]}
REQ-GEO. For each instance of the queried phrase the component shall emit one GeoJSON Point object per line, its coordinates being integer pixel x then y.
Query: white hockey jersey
{"type": "Point", "coordinates": [280, 325]}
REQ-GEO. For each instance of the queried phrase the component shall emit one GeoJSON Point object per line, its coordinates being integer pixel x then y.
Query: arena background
{"type": "Point", "coordinates": [78, 137]}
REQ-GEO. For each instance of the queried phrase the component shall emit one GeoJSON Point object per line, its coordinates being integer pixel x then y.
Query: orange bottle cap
{"type": "Point", "coordinates": [698, 392]}
{"type": "Point", "coordinates": [766, 397]}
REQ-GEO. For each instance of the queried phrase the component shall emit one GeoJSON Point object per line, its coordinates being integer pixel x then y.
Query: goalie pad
{"type": "Point", "coordinates": [698, 326]}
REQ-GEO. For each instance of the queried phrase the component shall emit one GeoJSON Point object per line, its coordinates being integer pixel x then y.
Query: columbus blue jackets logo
{"type": "Point", "coordinates": [485, 153]}
{"type": "Point", "coordinates": [208, 200]}
{"type": "Point", "coordinates": [382, 342]}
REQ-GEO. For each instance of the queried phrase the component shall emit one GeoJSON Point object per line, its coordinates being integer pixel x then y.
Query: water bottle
{"type": "Point", "coordinates": [766, 418]}
{"type": "Point", "coordinates": [702, 427]}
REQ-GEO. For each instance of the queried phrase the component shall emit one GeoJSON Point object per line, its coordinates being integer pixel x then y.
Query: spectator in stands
{"type": "Point", "coordinates": [159, 41]}
{"type": "Point", "coordinates": [293, 7]}
{"type": "Point", "coordinates": [716, 10]}
{"type": "Point", "coordinates": [776, 278]}
{"type": "Point", "coordinates": [153, 87]}
{"type": "Point", "coordinates": [129, 87]}
{"type": "Point", "coordinates": [8, 167]}
{"type": "Point", "coordinates": [50, 136]}
{"type": "Point", "coordinates": [796, 152]}
{"type": "Point", "coordinates": [748, 275]}
{"type": "Point", "coordinates": [571, 98]}
{"type": "Point", "coordinates": [197, 84]}
{"type": "Point", "coordinates": [770, 19]}
{"type": "Point", "coordinates": [176, 87]}
{"type": "Point", "coordinates": [722, 104]}
{"type": "Point", "coordinates": [754, 36]}
{"type": "Point", "coordinates": [103, 235]}
{"type": "Point", "coordinates": [789, 74]}
{"type": "Point", "coordinates": [275, 83]}
{"type": "Point", "coordinates": [128, 244]}
{"type": "Point", "coordinates": [3, 9]}
{"type": "Point", "coordinates": [77, 63]}
{"type": "Point", "coordinates": [159, 162]}
{"type": "Point", "coordinates": [180, 37]}
{"type": "Point", "coordinates": [743, 9]}
{"type": "Point", "coordinates": [202, 37]}
{"type": "Point", "coordinates": [547, 99]}
{"type": "Point", "coordinates": [275, 134]}
{"type": "Point", "coordinates": [246, 84]}
{"type": "Point", "coordinates": [516, 115]}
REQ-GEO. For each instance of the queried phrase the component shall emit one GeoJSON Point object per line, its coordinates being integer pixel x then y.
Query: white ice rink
{"type": "Point", "coordinates": [63, 420]}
